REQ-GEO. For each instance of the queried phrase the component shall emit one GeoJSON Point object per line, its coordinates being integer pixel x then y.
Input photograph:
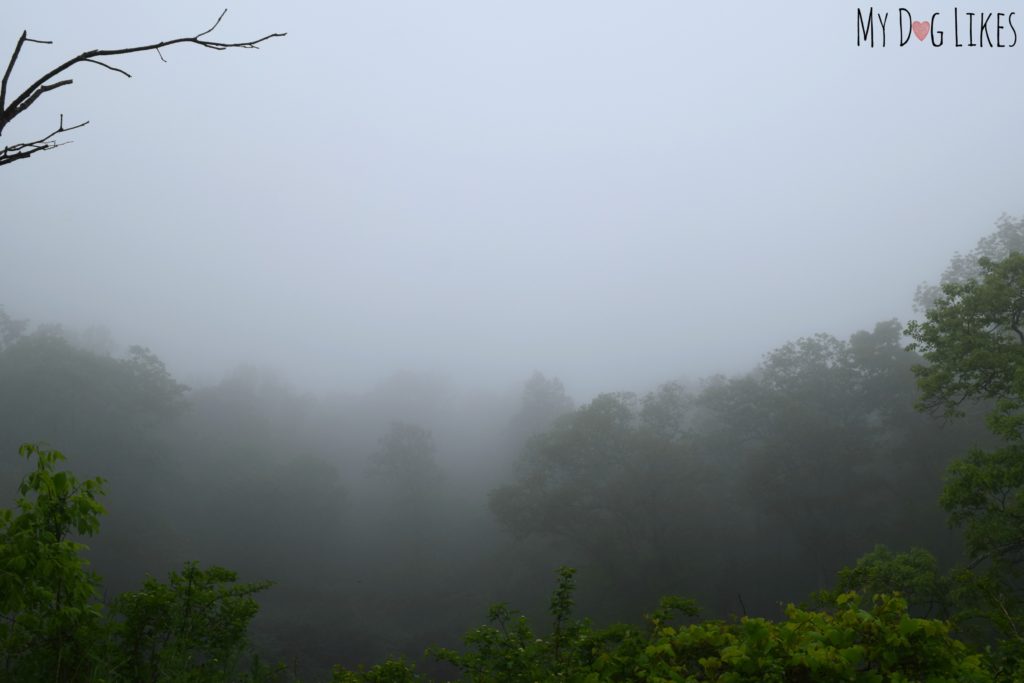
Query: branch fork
{"type": "Point", "coordinates": [49, 82]}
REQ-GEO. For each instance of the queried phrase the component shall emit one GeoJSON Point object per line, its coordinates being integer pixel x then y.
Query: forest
{"type": "Point", "coordinates": [848, 510]}
{"type": "Point", "coordinates": [425, 348]}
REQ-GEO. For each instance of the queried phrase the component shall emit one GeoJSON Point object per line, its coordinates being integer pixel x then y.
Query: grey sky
{"type": "Point", "coordinates": [617, 193]}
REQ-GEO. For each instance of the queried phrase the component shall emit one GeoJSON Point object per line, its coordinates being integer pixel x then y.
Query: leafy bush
{"type": "Point", "coordinates": [848, 643]}
{"type": "Point", "coordinates": [192, 628]}
{"type": "Point", "coordinates": [50, 616]}
{"type": "Point", "coordinates": [53, 626]}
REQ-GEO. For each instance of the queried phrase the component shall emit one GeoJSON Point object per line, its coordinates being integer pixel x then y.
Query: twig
{"type": "Point", "coordinates": [107, 66]}
{"type": "Point", "coordinates": [23, 150]}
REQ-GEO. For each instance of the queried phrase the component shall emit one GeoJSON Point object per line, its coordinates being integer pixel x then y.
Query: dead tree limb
{"type": "Point", "coordinates": [49, 82]}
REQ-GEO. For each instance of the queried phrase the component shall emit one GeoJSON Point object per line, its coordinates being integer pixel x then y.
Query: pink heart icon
{"type": "Point", "coordinates": [921, 29]}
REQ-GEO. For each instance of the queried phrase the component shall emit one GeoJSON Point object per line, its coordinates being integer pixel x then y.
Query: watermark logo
{"type": "Point", "coordinates": [879, 28]}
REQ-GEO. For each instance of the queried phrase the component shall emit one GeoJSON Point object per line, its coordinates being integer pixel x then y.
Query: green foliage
{"type": "Point", "coordinates": [50, 617]}
{"type": "Point", "coordinates": [849, 644]}
{"type": "Point", "coordinates": [508, 651]}
{"type": "Point", "coordinates": [915, 575]}
{"type": "Point", "coordinates": [391, 671]}
{"type": "Point", "coordinates": [881, 644]}
{"type": "Point", "coordinates": [983, 495]}
{"type": "Point", "coordinates": [191, 628]}
{"type": "Point", "coordinates": [53, 626]}
{"type": "Point", "coordinates": [980, 604]}
{"type": "Point", "coordinates": [973, 342]}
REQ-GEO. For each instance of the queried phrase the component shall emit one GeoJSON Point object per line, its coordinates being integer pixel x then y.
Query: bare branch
{"type": "Point", "coordinates": [996, 553]}
{"type": "Point", "coordinates": [46, 83]}
{"type": "Point", "coordinates": [10, 68]}
{"type": "Point", "coordinates": [197, 40]}
{"type": "Point", "coordinates": [107, 66]}
{"type": "Point", "coordinates": [23, 150]}
{"type": "Point", "coordinates": [215, 24]}
{"type": "Point", "coordinates": [35, 96]}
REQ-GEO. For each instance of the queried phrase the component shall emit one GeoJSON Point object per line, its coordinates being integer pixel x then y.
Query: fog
{"type": "Point", "coordinates": [611, 192]}
{"type": "Point", "coordinates": [465, 291]}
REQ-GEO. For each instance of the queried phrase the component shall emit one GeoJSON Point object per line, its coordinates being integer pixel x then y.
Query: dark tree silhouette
{"type": "Point", "coordinates": [52, 80]}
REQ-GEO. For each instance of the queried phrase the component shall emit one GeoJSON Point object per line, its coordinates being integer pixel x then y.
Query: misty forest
{"type": "Point", "coordinates": [408, 406]}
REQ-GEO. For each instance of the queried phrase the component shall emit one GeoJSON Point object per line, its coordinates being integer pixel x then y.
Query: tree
{"type": "Point", "coordinates": [1007, 238]}
{"type": "Point", "coordinates": [157, 389]}
{"type": "Point", "coordinates": [194, 627]}
{"type": "Point", "coordinates": [666, 412]}
{"type": "Point", "coordinates": [972, 339]}
{"type": "Point", "coordinates": [49, 609]}
{"type": "Point", "coordinates": [914, 575]}
{"type": "Point", "coordinates": [53, 626]}
{"type": "Point", "coordinates": [15, 105]}
{"type": "Point", "coordinates": [543, 401]}
{"type": "Point", "coordinates": [609, 480]}
{"type": "Point", "coordinates": [11, 330]}
{"type": "Point", "coordinates": [93, 402]}
{"type": "Point", "coordinates": [807, 434]}
{"type": "Point", "coordinates": [405, 456]}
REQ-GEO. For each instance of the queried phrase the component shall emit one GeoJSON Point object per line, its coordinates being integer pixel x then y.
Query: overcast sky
{"type": "Point", "coordinates": [616, 193]}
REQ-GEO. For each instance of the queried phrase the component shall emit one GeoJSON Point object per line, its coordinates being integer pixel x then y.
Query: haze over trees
{"type": "Point", "coordinates": [385, 524]}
